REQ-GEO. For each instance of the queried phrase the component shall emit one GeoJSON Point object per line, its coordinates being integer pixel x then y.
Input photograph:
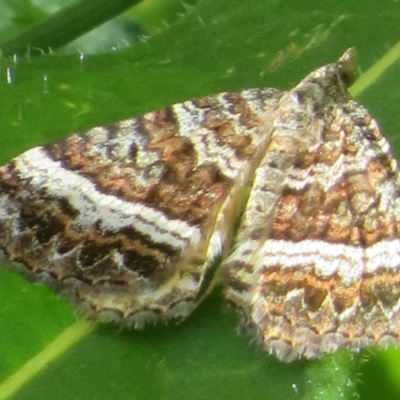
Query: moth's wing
{"type": "Point", "coordinates": [317, 259]}
{"type": "Point", "coordinates": [126, 219]}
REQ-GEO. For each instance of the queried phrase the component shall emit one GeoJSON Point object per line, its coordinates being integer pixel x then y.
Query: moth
{"type": "Point", "coordinates": [127, 220]}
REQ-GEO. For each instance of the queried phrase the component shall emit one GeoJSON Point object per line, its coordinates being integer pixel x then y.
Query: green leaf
{"type": "Point", "coordinates": [215, 46]}
{"type": "Point", "coordinates": [64, 26]}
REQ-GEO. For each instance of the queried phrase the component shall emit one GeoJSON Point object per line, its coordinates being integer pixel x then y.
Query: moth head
{"type": "Point", "coordinates": [329, 84]}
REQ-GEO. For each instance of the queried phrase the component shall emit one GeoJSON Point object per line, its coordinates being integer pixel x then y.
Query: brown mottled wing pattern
{"type": "Point", "coordinates": [317, 259]}
{"type": "Point", "coordinates": [126, 219]}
